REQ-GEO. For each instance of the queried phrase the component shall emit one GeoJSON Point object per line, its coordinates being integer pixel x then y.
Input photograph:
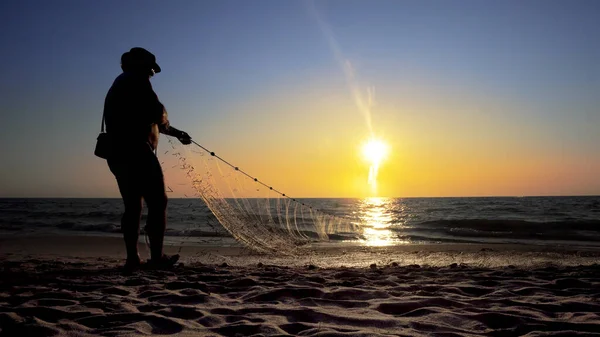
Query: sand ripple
{"type": "Point", "coordinates": [91, 297]}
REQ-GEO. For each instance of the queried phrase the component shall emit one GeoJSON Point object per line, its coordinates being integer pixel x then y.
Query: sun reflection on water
{"type": "Point", "coordinates": [376, 213]}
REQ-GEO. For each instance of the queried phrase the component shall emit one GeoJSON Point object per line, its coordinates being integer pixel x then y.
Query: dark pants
{"type": "Point", "coordinates": [140, 177]}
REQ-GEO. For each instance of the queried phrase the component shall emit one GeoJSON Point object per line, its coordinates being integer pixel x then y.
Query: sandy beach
{"type": "Point", "coordinates": [72, 286]}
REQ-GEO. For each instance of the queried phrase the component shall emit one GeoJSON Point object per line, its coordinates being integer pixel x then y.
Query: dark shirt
{"type": "Point", "coordinates": [134, 115]}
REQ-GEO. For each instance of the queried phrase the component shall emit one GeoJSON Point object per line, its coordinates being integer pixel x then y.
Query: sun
{"type": "Point", "coordinates": [374, 151]}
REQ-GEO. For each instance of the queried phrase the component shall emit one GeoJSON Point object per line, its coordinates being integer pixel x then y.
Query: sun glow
{"type": "Point", "coordinates": [374, 151]}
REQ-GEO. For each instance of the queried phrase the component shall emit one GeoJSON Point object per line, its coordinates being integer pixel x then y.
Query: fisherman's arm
{"type": "Point", "coordinates": [183, 137]}
{"type": "Point", "coordinates": [160, 116]}
{"type": "Point", "coordinates": [165, 127]}
{"type": "Point", "coordinates": [153, 110]}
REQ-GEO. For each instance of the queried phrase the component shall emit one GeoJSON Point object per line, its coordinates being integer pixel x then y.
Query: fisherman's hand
{"type": "Point", "coordinates": [184, 138]}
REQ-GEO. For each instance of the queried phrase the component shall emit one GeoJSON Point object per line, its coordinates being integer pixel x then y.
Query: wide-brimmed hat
{"type": "Point", "coordinates": [140, 56]}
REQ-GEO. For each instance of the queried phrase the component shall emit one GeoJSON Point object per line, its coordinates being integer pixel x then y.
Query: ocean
{"type": "Point", "coordinates": [552, 221]}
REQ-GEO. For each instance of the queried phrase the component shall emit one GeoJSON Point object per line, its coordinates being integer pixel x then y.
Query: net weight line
{"type": "Point", "coordinates": [249, 176]}
{"type": "Point", "coordinates": [276, 231]}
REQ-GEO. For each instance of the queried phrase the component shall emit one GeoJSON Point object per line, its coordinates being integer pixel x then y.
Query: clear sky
{"type": "Point", "coordinates": [472, 97]}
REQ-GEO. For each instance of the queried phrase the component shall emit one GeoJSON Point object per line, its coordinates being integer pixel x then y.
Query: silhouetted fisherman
{"type": "Point", "coordinates": [134, 117]}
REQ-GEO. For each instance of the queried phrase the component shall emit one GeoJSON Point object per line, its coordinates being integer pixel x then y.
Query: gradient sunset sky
{"type": "Point", "coordinates": [474, 98]}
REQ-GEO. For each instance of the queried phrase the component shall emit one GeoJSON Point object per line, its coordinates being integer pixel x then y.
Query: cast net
{"type": "Point", "coordinates": [254, 213]}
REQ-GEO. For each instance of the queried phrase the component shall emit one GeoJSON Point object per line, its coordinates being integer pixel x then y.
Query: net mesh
{"type": "Point", "coordinates": [257, 215]}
